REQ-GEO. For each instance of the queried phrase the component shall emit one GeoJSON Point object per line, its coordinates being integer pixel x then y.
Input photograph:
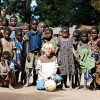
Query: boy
{"type": "Point", "coordinates": [6, 70]}
{"type": "Point", "coordinates": [7, 43]}
{"type": "Point", "coordinates": [33, 50]}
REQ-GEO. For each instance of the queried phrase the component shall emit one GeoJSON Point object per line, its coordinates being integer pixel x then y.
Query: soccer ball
{"type": "Point", "coordinates": [50, 85]}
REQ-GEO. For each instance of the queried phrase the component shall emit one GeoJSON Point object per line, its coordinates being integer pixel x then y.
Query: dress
{"type": "Point", "coordinates": [65, 57]}
{"type": "Point", "coordinates": [19, 48]}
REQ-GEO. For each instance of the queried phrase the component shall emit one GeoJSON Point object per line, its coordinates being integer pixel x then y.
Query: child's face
{"type": "Point", "coordinates": [19, 36]}
{"type": "Point", "coordinates": [34, 25]}
{"type": "Point", "coordinates": [65, 33]}
{"type": "Point", "coordinates": [25, 29]}
{"type": "Point", "coordinates": [7, 34]}
{"type": "Point", "coordinates": [4, 24]}
{"type": "Point", "coordinates": [76, 37]}
{"type": "Point", "coordinates": [84, 38]}
{"type": "Point", "coordinates": [42, 27]}
{"type": "Point", "coordinates": [5, 57]}
{"type": "Point", "coordinates": [47, 52]}
{"type": "Point", "coordinates": [13, 22]}
{"type": "Point", "coordinates": [48, 34]}
{"type": "Point", "coordinates": [94, 34]}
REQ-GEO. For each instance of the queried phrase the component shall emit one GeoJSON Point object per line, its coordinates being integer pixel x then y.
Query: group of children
{"type": "Point", "coordinates": [32, 50]}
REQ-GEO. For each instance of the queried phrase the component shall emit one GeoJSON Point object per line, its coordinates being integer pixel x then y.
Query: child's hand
{"type": "Point", "coordinates": [28, 58]}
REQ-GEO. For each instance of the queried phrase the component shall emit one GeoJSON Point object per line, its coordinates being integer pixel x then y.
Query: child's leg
{"type": "Point", "coordinates": [35, 58]}
{"type": "Point", "coordinates": [17, 76]}
{"type": "Point", "coordinates": [23, 77]}
{"type": "Point", "coordinates": [70, 81]}
{"type": "Point", "coordinates": [27, 77]}
{"type": "Point", "coordinates": [64, 77]}
{"type": "Point", "coordinates": [85, 79]}
{"type": "Point", "coordinates": [11, 80]}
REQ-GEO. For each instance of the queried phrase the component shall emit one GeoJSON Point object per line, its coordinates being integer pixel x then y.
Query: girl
{"type": "Point", "coordinates": [19, 47]}
{"type": "Point", "coordinates": [95, 42]}
{"type": "Point", "coordinates": [47, 66]}
{"type": "Point", "coordinates": [65, 57]}
{"type": "Point", "coordinates": [86, 60]}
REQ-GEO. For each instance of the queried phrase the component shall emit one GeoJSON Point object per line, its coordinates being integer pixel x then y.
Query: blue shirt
{"type": "Point", "coordinates": [34, 40]}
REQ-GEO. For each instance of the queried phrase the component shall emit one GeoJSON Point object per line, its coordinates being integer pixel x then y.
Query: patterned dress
{"type": "Point", "coordinates": [19, 48]}
{"type": "Point", "coordinates": [65, 57]}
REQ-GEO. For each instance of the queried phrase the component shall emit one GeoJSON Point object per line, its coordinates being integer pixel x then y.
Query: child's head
{"type": "Point", "coordinates": [84, 36]}
{"type": "Point", "coordinates": [48, 32]}
{"type": "Point", "coordinates": [76, 34]}
{"type": "Point", "coordinates": [48, 49]}
{"type": "Point", "coordinates": [13, 21]}
{"type": "Point", "coordinates": [42, 26]}
{"type": "Point", "coordinates": [26, 28]}
{"type": "Point", "coordinates": [5, 56]}
{"type": "Point", "coordinates": [18, 34]}
{"type": "Point", "coordinates": [65, 32]}
{"type": "Point", "coordinates": [7, 32]}
{"type": "Point", "coordinates": [34, 24]}
{"type": "Point", "coordinates": [5, 22]}
{"type": "Point", "coordinates": [94, 32]}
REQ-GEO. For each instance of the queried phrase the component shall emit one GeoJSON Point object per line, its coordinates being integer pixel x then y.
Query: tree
{"type": "Point", "coordinates": [96, 4]}
{"type": "Point", "coordinates": [61, 12]}
{"type": "Point", "coordinates": [22, 7]}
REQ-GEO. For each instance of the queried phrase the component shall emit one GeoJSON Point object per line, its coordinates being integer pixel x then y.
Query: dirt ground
{"type": "Point", "coordinates": [31, 93]}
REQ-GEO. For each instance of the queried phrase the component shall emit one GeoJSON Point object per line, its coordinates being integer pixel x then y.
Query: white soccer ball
{"type": "Point", "coordinates": [50, 85]}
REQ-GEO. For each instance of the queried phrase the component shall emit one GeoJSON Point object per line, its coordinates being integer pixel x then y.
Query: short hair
{"type": "Point", "coordinates": [84, 32]}
{"type": "Point", "coordinates": [96, 29]}
{"type": "Point", "coordinates": [48, 45]}
{"type": "Point", "coordinates": [65, 28]}
{"type": "Point", "coordinates": [34, 19]}
{"type": "Point", "coordinates": [13, 17]}
{"type": "Point", "coordinates": [7, 53]}
{"type": "Point", "coordinates": [77, 32]}
{"type": "Point", "coordinates": [7, 29]}
{"type": "Point", "coordinates": [48, 29]}
{"type": "Point", "coordinates": [17, 31]}
{"type": "Point", "coordinates": [42, 23]}
{"type": "Point", "coordinates": [27, 25]}
{"type": "Point", "coordinates": [6, 21]}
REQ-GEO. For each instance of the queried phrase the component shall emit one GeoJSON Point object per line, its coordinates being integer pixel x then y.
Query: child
{"type": "Point", "coordinates": [33, 50]}
{"type": "Point", "coordinates": [6, 70]}
{"type": "Point", "coordinates": [7, 43]}
{"type": "Point", "coordinates": [75, 42]}
{"type": "Point", "coordinates": [18, 41]}
{"type": "Point", "coordinates": [48, 37]}
{"type": "Point", "coordinates": [95, 42]}
{"type": "Point", "coordinates": [86, 60]}
{"type": "Point", "coordinates": [26, 28]}
{"type": "Point", "coordinates": [42, 26]}
{"type": "Point", "coordinates": [65, 57]}
{"type": "Point", "coordinates": [47, 66]}
{"type": "Point", "coordinates": [4, 23]}
{"type": "Point", "coordinates": [13, 26]}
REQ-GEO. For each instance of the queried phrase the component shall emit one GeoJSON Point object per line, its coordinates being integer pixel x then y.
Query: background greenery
{"type": "Point", "coordinates": [55, 12]}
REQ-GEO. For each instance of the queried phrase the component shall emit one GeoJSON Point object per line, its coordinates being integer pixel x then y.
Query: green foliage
{"type": "Point", "coordinates": [61, 12]}
{"type": "Point", "coordinates": [22, 7]}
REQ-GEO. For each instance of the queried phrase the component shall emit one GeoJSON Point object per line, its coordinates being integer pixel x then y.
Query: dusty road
{"type": "Point", "coordinates": [31, 93]}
